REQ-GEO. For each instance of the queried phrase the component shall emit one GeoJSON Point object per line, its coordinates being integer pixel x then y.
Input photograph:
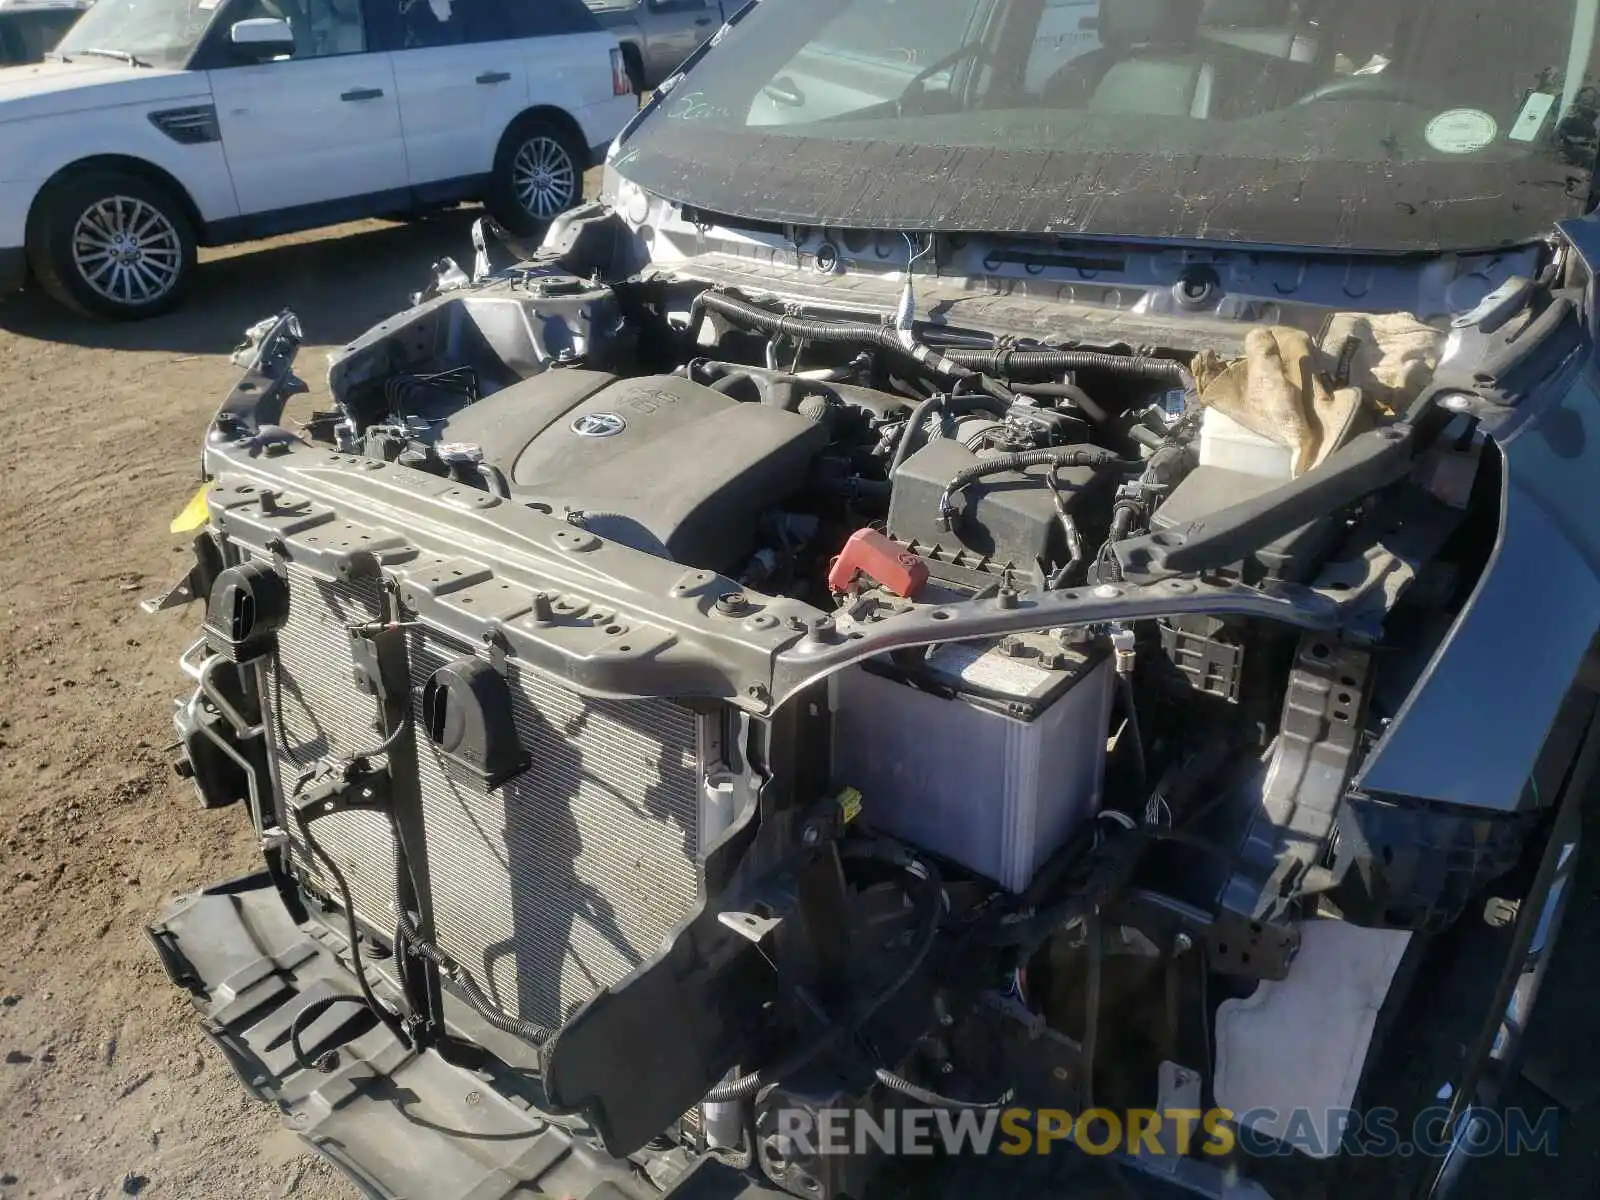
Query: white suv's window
{"type": "Point", "coordinates": [336, 28]}
{"type": "Point", "coordinates": [1066, 30]}
{"type": "Point", "coordinates": [322, 28]}
{"type": "Point", "coordinates": [836, 74]}
{"type": "Point", "coordinates": [162, 33]}
{"type": "Point", "coordinates": [425, 24]}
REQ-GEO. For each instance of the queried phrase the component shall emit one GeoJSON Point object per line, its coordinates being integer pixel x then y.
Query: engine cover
{"type": "Point", "coordinates": [658, 462]}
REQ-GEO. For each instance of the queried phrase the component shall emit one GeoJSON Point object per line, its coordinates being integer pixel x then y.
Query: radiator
{"type": "Point", "coordinates": [548, 888]}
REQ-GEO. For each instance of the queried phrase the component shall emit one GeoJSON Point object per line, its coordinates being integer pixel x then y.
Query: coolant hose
{"type": "Point", "coordinates": [1071, 393]}
{"type": "Point", "coordinates": [808, 329]}
{"type": "Point", "coordinates": [495, 479]}
{"type": "Point", "coordinates": [912, 432]}
{"type": "Point", "coordinates": [777, 389]}
{"type": "Point", "coordinates": [747, 1085]}
{"type": "Point", "coordinates": [999, 464]}
{"type": "Point", "coordinates": [955, 405]}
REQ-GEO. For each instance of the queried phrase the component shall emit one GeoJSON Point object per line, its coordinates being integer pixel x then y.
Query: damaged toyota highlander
{"type": "Point", "coordinates": [1030, 568]}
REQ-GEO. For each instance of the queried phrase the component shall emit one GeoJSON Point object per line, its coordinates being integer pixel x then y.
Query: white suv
{"type": "Point", "coordinates": [160, 125]}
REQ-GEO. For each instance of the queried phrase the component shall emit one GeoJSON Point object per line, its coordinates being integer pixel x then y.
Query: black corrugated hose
{"type": "Point", "coordinates": [954, 363]}
{"type": "Point", "coordinates": [1054, 362]}
{"type": "Point", "coordinates": [850, 333]}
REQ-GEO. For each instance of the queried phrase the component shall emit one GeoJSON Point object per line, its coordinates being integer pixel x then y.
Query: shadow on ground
{"type": "Point", "coordinates": [339, 285]}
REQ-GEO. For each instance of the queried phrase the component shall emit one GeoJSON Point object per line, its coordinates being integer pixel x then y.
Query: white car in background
{"type": "Point", "coordinates": [29, 28]}
{"type": "Point", "coordinates": [161, 125]}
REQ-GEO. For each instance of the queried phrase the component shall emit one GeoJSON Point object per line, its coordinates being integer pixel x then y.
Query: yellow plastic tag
{"type": "Point", "coordinates": [194, 515]}
{"type": "Point", "coordinates": [850, 804]}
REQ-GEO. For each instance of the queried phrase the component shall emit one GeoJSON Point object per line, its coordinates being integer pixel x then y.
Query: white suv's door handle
{"type": "Point", "coordinates": [363, 94]}
{"type": "Point", "coordinates": [495, 77]}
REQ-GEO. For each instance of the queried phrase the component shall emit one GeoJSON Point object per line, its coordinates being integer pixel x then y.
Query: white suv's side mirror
{"type": "Point", "coordinates": [261, 38]}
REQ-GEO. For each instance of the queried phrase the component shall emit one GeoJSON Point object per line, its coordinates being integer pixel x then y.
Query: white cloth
{"type": "Point", "coordinates": [1298, 1045]}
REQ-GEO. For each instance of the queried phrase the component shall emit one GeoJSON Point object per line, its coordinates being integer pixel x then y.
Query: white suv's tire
{"type": "Point", "coordinates": [538, 175]}
{"type": "Point", "coordinates": [109, 243]}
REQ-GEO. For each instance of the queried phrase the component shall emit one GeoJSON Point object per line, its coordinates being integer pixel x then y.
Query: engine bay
{"type": "Point", "coordinates": [1024, 862]}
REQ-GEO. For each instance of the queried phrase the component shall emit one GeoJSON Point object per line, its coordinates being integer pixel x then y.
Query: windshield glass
{"type": "Point", "coordinates": [1387, 125]}
{"type": "Point", "coordinates": [162, 33]}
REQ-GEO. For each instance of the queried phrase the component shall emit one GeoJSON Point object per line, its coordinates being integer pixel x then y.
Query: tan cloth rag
{"type": "Point", "coordinates": [1277, 391]}
{"type": "Point", "coordinates": [1389, 356]}
{"type": "Point", "coordinates": [1309, 398]}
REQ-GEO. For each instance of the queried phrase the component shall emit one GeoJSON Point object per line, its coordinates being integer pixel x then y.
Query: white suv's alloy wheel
{"type": "Point", "coordinates": [544, 177]}
{"type": "Point", "coordinates": [127, 250]}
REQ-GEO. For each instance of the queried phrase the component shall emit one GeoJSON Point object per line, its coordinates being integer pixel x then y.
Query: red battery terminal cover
{"type": "Point", "coordinates": [870, 553]}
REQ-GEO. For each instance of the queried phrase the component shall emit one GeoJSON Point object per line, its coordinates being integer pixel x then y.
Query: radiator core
{"type": "Point", "coordinates": [548, 888]}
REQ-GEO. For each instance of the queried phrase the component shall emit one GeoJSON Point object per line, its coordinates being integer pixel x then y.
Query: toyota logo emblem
{"type": "Point", "coordinates": [599, 424]}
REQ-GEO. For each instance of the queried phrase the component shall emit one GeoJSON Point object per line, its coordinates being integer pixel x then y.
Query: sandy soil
{"type": "Point", "coordinates": [107, 1086]}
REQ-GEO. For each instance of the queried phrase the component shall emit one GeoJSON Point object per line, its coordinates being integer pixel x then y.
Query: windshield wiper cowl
{"type": "Point", "coordinates": [121, 55]}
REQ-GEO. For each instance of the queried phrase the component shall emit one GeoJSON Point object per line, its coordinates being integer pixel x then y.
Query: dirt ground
{"type": "Point", "coordinates": [107, 1086]}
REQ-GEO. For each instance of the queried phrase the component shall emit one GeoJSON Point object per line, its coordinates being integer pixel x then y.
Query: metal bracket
{"type": "Point", "coordinates": [196, 581]}
{"type": "Point", "coordinates": [378, 662]}
{"type": "Point", "coordinates": [357, 789]}
{"type": "Point", "coordinates": [756, 924]}
{"type": "Point", "coordinates": [762, 906]}
{"type": "Point", "coordinates": [1305, 782]}
{"type": "Point", "coordinates": [176, 596]}
{"type": "Point", "coordinates": [1235, 944]}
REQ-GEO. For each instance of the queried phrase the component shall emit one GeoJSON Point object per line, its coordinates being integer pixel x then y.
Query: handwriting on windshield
{"type": "Point", "coordinates": [693, 107]}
